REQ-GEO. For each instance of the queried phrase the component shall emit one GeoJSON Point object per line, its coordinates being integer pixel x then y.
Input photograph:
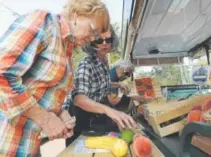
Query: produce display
{"type": "Point", "coordinates": [142, 146]}
{"type": "Point", "coordinates": [200, 113]}
{"type": "Point", "coordinates": [194, 116]}
{"type": "Point", "coordinates": [127, 135]}
{"type": "Point", "coordinates": [119, 145]}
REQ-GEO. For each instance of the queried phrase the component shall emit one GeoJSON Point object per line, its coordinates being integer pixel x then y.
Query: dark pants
{"type": "Point", "coordinates": [123, 104]}
{"type": "Point", "coordinates": [86, 121]}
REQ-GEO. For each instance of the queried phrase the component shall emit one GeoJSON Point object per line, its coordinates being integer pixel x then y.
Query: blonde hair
{"type": "Point", "coordinates": [89, 8]}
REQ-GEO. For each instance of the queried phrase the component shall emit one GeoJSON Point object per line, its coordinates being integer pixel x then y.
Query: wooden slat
{"type": "Point", "coordinates": [170, 129]}
{"type": "Point", "coordinates": [158, 112]}
{"type": "Point", "coordinates": [173, 113]}
{"type": "Point", "coordinates": [163, 111]}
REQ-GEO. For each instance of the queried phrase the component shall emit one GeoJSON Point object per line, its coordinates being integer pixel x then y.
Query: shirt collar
{"type": "Point", "coordinates": [97, 61]}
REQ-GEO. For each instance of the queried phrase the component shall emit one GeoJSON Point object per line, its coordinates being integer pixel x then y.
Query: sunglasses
{"type": "Point", "coordinates": [101, 40]}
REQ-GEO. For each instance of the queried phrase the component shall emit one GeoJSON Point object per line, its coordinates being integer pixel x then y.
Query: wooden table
{"type": "Point", "coordinates": [69, 151]}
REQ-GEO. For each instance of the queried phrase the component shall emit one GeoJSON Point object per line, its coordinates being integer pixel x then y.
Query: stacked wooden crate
{"type": "Point", "coordinates": [169, 117]}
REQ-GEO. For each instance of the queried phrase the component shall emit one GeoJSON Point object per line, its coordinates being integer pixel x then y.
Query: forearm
{"type": "Point", "coordinates": [115, 85]}
{"type": "Point", "coordinates": [89, 105]}
{"type": "Point", "coordinates": [139, 98]}
{"type": "Point", "coordinates": [37, 114]}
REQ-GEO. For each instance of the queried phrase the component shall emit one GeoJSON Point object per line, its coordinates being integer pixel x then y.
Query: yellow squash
{"type": "Point", "coordinates": [117, 146]}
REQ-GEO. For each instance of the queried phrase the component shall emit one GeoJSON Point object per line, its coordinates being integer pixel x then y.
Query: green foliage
{"type": "Point", "coordinates": [167, 74]}
{"type": "Point", "coordinates": [115, 56]}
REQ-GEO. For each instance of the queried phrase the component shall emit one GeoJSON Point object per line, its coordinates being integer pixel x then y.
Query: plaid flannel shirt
{"type": "Point", "coordinates": [92, 79]}
{"type": "Point", "coordinates": [33, 71]}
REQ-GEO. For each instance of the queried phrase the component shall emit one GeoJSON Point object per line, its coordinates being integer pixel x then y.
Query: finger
{"type": "Point", "coordinates": [120, 122]}
{"type": "Point", "coordinates": [70, 125]}
{"type": "Point", "coordinates": [69, 134]}
{"type": "Point", "coordinates": [132, 122]}
{"type": "Point", "coordinates": [119, 127]}
{"type": "Point", "coordinates": [65, 131]}
{"type": "Point", "coordinates": [127, 122]}
{"type": "Point", "coordinates": [71, 120]}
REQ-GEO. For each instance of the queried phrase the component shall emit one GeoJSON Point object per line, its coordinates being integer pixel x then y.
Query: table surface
{"type": "Point", "coordinates": [70, 152]}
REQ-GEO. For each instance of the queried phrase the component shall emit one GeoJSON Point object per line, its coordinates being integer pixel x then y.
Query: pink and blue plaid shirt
{"type": "Point", "coordinates": [34, 70]}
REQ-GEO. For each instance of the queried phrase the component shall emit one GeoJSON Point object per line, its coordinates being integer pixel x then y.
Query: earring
{"type": "Point", "coordinates": [75, 23]}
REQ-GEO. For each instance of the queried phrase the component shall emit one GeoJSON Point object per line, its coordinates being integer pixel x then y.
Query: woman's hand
{"type": "Point", "coordinates": [124, 88]}
{"type": "Point", "coordinates": [49, 122]}
{"type": "Point", "coordinates": [69, 123]}
{"type": "Point", "coordinates": [53, 126]}
{"type": "Point", "coordinates": [123, 120]}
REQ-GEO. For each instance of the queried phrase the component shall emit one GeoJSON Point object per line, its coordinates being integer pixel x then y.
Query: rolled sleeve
{"type": "Point", "coordinates": [82, 79]}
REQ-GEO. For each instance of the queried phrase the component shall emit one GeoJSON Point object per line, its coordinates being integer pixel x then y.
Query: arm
{"type": "Point", "coordinates": [18, 48]}
{"type": "Point", "coordinates": [122, 120]}
{"type": "Point", "coordinates": [115, 85]}
{"type": "Point", "coordinates": [80, 96]}
{"type": "Point", "coordinates": [123, 87]}
{"type": "Point", "coordinates": [89, 105]}
{"type": "Point", "coordinates": [140, 98]}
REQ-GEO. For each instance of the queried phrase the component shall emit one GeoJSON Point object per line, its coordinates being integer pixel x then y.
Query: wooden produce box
{"type": "Point", "coordinates": [70, 151]}
{"type": "Point", "coordinates": [169, 117]}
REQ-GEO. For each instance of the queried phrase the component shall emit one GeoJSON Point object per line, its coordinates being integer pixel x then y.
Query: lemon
{"type": "Point", "coordinates": [119, 148]}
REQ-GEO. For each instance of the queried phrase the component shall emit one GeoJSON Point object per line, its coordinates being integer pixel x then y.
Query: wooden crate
{"type": "Point", "coordinates": [69, 152]}
{"type": "Point", "coordinates": [169, 117]}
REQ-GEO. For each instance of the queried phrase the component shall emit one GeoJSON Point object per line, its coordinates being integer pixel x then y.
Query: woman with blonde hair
{"type": "Point", "coordinates": [36, 73]}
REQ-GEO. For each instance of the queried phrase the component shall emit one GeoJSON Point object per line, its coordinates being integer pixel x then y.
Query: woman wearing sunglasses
{"type": "Point", "coordinates": [91, 86]}
{"type": "Point", "coordinates": [118, 73]}
{"type": "Point", "coordinates": [36, 74]}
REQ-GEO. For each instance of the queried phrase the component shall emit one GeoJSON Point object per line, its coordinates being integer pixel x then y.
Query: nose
{"type": "Point", "coordinates": [104, 42]}
{"type": "Point", "coordinates": [92, 38]}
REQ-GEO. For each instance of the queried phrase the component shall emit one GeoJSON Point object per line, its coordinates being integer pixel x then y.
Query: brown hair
{"type": "Point", "coordinates": [90, 8]}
